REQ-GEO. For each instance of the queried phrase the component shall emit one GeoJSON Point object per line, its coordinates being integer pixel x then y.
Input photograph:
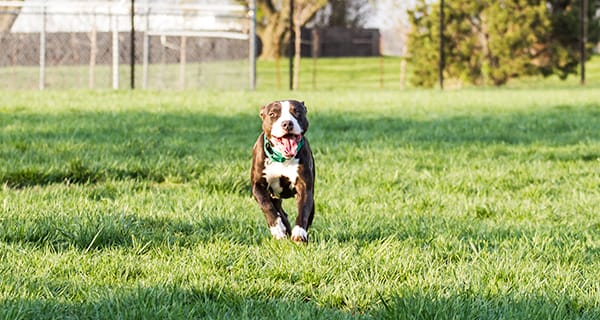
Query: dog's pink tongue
{"type": "Point", "coordinates": [289, 146]}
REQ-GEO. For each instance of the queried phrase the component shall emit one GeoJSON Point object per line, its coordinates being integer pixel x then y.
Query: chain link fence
{"type": "Point", "coordinates": [77, 44]}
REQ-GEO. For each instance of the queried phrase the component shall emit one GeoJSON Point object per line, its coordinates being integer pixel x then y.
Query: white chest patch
{"type": "Point", "coordinates": [275, 170]}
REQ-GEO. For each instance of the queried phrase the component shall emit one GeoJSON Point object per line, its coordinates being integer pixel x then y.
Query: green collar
{"type": "Point", "coordinates": [275, 155]}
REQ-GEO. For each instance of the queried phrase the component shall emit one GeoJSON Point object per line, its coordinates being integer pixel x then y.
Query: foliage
{"type": "Point", "coordinates": [495, 41]}
{"type": "Point", "coordinates": [461, 204]}
{"type": "Point", "coordinates": [273, 22]}
{"type": "Point", "coordinates": [346, 13]}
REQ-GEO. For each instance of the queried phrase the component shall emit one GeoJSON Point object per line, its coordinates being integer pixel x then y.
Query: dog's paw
{"type": "Point", "coordinates": [278, 230]}
{"type": "Point", "coordinates": [299, 234]}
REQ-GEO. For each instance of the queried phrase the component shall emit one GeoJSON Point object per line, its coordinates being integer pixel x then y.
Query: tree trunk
{"type": "Point", "coordinates": [273, 29]}
{"type": "Point", "coordinates": [272, 35]}
{"type": "Point", "coordinates": [297, 43]}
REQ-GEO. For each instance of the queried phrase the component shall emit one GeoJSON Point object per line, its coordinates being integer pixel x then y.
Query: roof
{"type": "Point", "coordinates": [165, 16]}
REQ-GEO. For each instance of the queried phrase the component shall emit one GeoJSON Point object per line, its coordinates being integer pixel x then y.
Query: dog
{"type": "Point", "coordinates": [283, 167]}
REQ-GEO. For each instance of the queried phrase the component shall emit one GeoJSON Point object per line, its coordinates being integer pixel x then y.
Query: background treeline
{"type": "Point", "coordinates": [491, 41]}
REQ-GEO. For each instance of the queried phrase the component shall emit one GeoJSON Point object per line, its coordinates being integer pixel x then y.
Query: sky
{"type": "Point", "coordinates": [388, 13]}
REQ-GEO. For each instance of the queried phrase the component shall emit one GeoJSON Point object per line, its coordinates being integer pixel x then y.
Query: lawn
{"type": "Point", "coordinates": [323, 74]}
{"type": "Point", "coordinates": [467, 204]}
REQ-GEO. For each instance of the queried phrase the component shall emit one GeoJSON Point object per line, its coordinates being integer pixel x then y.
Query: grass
{"type": "Point", "coordinates": [460, 204]}
{"type": "Point", "coordinates": [324, 74]}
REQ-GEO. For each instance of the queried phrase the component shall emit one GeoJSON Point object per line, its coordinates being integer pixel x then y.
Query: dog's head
{"type": "Point", "coordinates": [284, 124]}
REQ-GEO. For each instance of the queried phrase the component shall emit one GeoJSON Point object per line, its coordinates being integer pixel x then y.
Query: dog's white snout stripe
{"type": "Point", "coordinates": [277, 129]}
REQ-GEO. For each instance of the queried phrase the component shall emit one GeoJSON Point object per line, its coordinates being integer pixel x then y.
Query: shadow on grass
{"type": "Point", "coordinates": [471, 305]}
{"type": "Point", "coordinates": [168, 303]}
{"type": "Point", "coordinates": [127, 230]}
{"type": "Point", "coordinates": [93, 147]}
{"type": "Point", "coordinates": [171, 302]}
{"type": "Point", "coordinates": [43, 149]}
{"type": "Point", "coordinates": [562, 125]}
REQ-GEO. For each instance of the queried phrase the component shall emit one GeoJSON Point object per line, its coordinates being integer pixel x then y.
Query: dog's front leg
{"type": "Point", "coordinates": [306, 211]}
{"type": "Point", "coordinates": [277, 221]}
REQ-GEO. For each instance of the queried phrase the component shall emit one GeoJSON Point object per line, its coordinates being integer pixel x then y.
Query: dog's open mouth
{"type": "Point", "coordinates": [288, 144]}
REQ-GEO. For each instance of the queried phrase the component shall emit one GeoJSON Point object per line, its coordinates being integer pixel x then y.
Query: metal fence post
{"type": "Point", "coordinates": [583, 16]}
{"type": "Point", "coordinates": [252, 44]}
{"type": "Point", "coordinates": [146, 53]}
{"type": "Point", "coordinates": [115, 48]}
{"type": "Point", "coordinates": [43, 49]}
{"type": "Point", "coordinates": [291, 44]}
{"type": "Point", "coordinates": [132, 45]}
{"type": "Point", "coordinates": [93, 51]}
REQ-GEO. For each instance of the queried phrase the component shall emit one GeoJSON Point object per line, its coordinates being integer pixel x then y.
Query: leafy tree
{"type": "Point", "coordinates": [563, 47]}
{"type": "Point", "coordinates": [273, 22]}
{"type": "Point", "coordinates": [515, 32]}
{"type": "Point", "coordinates": [347, 13]}
{"type": "Point", "coordinates": [494, 41]}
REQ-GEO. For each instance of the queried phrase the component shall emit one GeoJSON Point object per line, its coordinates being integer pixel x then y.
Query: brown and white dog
{"type": "Point", "coordinates": [283, 167]}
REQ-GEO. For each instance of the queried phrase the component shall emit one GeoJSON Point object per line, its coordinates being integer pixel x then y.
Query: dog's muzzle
{"type": "Point", "coordinates": [287, 144]}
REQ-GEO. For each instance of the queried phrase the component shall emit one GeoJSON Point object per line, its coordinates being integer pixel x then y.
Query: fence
{"type": "Point", "coordinates": [76, 44]}
{"type": "Point", "coordinates": [340, 42]}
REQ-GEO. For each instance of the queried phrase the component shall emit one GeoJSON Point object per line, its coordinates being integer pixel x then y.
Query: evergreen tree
{"type": "Point", "coordinates": [492, 41]}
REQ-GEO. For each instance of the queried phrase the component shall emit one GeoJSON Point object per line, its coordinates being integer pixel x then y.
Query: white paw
{"type": "Point", "coordinates": [278, 230]}
{"type": "Point", "coordinates": [299, 234]}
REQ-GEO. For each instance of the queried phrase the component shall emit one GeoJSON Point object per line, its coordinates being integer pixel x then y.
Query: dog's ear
{"type": "Point", "coordinates": [263, 111]}
{"type": "Point", "coordinates": [305, 108]}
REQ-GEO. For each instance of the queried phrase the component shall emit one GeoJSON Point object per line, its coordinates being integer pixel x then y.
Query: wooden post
{"type": "Point", "coordinates": [297, 48]}
{"type": "Point", "coordinates": [441, 62]}
{"type": "Point", "coordinates": [381, 65]}
{"type": "Point", "coordinates": [315, 55]}
{"type": "Point", "coordinates": [403, 61]}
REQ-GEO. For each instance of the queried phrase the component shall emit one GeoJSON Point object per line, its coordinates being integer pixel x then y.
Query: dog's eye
{"type": "Point", "coordinates": [272, 114]}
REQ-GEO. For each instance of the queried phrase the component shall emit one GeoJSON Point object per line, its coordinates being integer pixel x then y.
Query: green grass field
{"type": "Point", "coordinates": [429, 205]}
{"type": "Point", "coordinates": [324, 74]}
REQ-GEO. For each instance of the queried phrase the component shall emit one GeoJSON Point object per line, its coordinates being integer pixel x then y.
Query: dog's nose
{"type": "Point", "coordinates": [287, 125]}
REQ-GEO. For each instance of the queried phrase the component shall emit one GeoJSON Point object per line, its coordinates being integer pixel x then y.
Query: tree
{"type": "Point", "coordinates": [514, 33]}
{"type": "Point", "coordinates": [495, 41]}
{"type": "Point", "coordinates": [563, 48]}
{"type": "Point", "coordinates": [273, 22]}
{"type": "Point", "coordinates": [304, 11]}
{"type": "Point", "coordinates": [346, 13]}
